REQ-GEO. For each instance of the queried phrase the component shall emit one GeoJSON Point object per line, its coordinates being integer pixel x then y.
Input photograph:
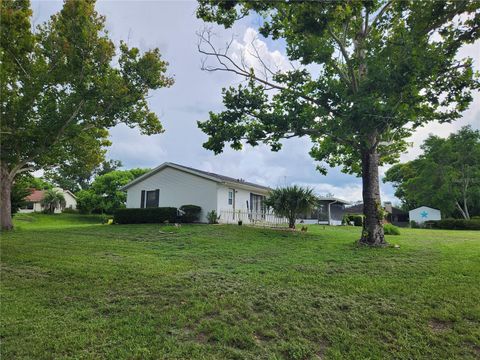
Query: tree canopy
{"type": "Point", "coordinates": [365, 75]}
{"type": "Point", "coordinates": [104, 194]}
{"type": "Point", "coordinates": [446, 176]}
{"type": "Point", "coordinates": [63, 85]}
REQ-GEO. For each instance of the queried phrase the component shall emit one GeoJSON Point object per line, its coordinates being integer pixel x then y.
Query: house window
{"type": "Point", "coordinates": [230, 196]}
{"type": "Point", "coordinates": [28, 206]}
{"type": "Point", "coordinates": [152, 198]}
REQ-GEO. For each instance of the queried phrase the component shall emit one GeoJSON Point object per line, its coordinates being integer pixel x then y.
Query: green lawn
{"type": "Point", "coordinates": [72, 288]}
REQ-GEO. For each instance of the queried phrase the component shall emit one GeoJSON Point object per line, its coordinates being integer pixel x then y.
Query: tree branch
{"type": "Point", "coordinates": [343, 50]}
{"type": "Point", "coordinates": [224, 59]}
{"type": "Point", "coordinates": [377, 18]}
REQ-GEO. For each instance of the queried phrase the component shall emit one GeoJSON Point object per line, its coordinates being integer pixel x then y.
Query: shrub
{"type": "Point", "coordinates": [414, 224]}
{"type": "Point", "coordinates": [212, 217]}
{"type": "Point", "coordinates": [70, 211]}
{"type": "Point", "coordinates": [390, 229]}
{"type": "Point", "coordinates": [356, 218]}
{"type": "Point", "coordinates": [191, 213]}
{"type": "Point", "coordinates": [148, 215]}
{"type": "Point", "coordinates": [456, 224]}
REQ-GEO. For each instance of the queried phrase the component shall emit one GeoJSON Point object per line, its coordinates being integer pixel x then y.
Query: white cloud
{"type": "Point", "coordinates": [254, 53]}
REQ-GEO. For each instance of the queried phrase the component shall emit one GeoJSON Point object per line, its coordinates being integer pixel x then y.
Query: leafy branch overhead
{"type": "Point", "coordinates": [385, 68]}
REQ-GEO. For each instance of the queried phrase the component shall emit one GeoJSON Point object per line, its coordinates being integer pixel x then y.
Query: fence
{"type": "Point", "coordinates": [252, 218]}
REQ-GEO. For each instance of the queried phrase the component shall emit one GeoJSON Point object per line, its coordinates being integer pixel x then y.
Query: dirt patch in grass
{"type": "Point", "coordinates": [439, 326]}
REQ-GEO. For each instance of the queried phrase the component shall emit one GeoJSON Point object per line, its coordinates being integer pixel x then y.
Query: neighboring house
{"type": "Point", "coordinates": [173, 185]}
{"type": "Point", "coordinates": [34, 201]}
{"type": "Point", "coordinates": [394, 215]}
{"type": "Point", "coordinates": [329, 211]}
{"type": "Point", "coordinates": [424, 213]}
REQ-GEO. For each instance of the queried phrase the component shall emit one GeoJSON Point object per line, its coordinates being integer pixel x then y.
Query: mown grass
{"type": "Point", "coordinates": [74, 289]}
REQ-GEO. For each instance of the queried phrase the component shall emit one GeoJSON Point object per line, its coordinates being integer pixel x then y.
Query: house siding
{"type": "Point", "coordinates": [424, 213]}
{"type": "Point", "coordinates": [177, 188]}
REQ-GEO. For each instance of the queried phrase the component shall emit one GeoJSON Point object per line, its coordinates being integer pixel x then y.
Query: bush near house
{"type": "Point", "coordinates": [191, 213]}
{"type": "Point", "coordinates": [390, 229]}
{"type": "Point", "coordinates": [357, 219]}
{"type": "Point", "coordinates": [454, 224]}
{"type": "Point", "coordinates": [212, 217]}
{"type": "Point", "coordinates": [148, 215]}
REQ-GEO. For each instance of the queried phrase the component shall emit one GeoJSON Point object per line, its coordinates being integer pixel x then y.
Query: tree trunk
{"type": "Point", "coordinates": [5, 200]}
{"type": "Point", "coordinates": [291, 222]}
{"type": "Point", "coordinates": [372, 233]}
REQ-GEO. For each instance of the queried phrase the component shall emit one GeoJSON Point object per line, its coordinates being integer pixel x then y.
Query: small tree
{"type": "Point", "coordinates": [290, 202]}
{"type": "Point", "coordinates": [52, 200]}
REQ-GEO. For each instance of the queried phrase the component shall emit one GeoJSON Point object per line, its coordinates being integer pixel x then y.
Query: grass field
{"type": "Point", "coordinates": [72, 288]}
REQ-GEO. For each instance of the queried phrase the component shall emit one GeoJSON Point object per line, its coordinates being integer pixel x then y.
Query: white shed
{"type": "Point", "coordinates": [424, 213]}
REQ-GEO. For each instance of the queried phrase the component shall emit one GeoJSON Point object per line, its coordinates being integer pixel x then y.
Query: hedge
{"type": "Point", "coordinates": [191, 213]}
{"type": "Point", "coordinates": [147, 215]}
{"type": "Point", "coordinates": [454, 224]}
{"type": "Point", "coordinates": [357, 219]}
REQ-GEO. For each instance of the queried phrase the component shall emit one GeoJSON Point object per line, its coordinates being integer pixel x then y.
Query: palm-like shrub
{"type": "Point", "coordinates": [53, 199]}
{"type": "Point", "coordinates": [291, 201]}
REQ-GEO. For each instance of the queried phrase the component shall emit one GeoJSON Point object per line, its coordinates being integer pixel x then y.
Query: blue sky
{"type": "Point", "coordinates": [171, 26]}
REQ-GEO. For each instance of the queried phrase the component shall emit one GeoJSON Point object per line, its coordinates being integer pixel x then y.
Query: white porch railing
{"type": "Point", "coordinates": [252, 218]}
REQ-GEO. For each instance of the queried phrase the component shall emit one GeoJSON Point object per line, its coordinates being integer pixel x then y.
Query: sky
{"type": "Point", "coordinates": [172, 27]}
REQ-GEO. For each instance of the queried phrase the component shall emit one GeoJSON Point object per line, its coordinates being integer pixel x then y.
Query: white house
{"type": "Point", "coordinates": [34, 201]}
{"type": "Point", "coordinates": [424, 213]}
{"type": "Point", "coordinates": [173, 185]}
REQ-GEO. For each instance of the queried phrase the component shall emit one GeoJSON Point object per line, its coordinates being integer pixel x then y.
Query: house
{"type": "Point", "coordinates": [174, 185]}
{"type": "Point", "coordinates": [329, 211]}
{"type": "Point", "coordinates": [424, 213]}
{"type": "Point", "coordinates": [394, 215]}
{"type": "Point", "coordinates": [34, 201]}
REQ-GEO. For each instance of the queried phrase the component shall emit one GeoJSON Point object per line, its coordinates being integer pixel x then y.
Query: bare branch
{"type": "Point", "coordinates": [343, 50]}
{"type": "Point", "coordinates": [377, 17]}
{"type": "Point", "coordinates": [229, 65]}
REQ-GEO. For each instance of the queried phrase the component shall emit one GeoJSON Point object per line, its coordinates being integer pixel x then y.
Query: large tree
{"type": "Point", "coordinates": [370, 72]}
{"type": "Point", "coordinates": [104, 194]}
{"type": "Point", "coordinates": [446, 176]}
{"type": "Point", "coordinates": [62, 86]}
{"type": "Point", "coordinates": [79, 174]}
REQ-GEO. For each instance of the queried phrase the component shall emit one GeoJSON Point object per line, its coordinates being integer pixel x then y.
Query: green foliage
{"type": "Point", "coordinates": [355, 218]}
{"type": "Point", "coordinates": [414, 224]}
{"type": "Point", "coordinates": [366, 75]}
{"type": "Point", "coordinates": [455, 224]}
{"type": "Point", "coordinates": [53, 199]}
{"type": "Point", "coordinates": [291, 202]}
{"type": "Point", "coordinates": [61, 91]}
{"type": "Point", "coordinates": [104, 194]}
{"type": "Point", "coordinates": [88, 202]}
{"type": "Point", "coordinates": [445, 176]}
{"type": "Point", "coordinates": [212, 217]}
{"type": "Point", "coordinates": [77, 176]}
{"type": "Point", "coordinates": [148, 215]}
{"type": "Point", "coordinates": [190, 213]}
{"type": "Point", "coordinates": [373, 83]}
{"type": "Point", "coordinates": [19, 192]}
{"type": "Point", "coordinates": [390, 229]}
